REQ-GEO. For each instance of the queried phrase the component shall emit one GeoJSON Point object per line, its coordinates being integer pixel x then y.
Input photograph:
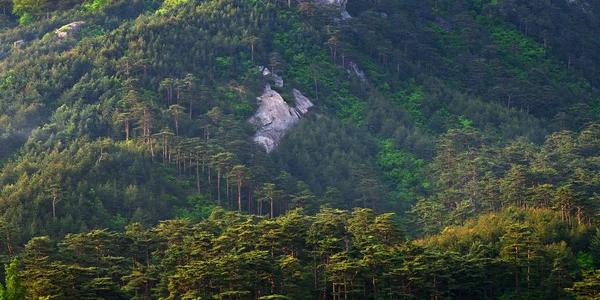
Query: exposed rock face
{"type": "Point", "coordinates": [357, 70]}
{"type": "Point", "coordinates": [341, 3]}
{"type": "Point", "coordinates": [18, 43]}
{"type": "Point", "coordinates": [276, 78]}
{"type": "Point", "coordinates": [274, 117]}
{"type": "Point", "coordinates": [345, 15]}
{"type": "Point", "coordinates": [265, 71]}
{"type": "Point", "coordinates": [68, 29]}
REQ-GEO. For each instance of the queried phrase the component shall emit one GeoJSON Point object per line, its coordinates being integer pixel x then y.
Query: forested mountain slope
{"type": "Point", "coordinates": [444, 133]}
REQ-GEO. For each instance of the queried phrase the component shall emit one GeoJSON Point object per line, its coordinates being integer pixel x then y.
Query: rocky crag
{"type": "Point", "coordinates": [274, 116]}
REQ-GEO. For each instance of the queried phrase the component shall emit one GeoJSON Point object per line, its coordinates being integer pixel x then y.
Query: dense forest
{"type": "Point", "coordinates": [453, 150]}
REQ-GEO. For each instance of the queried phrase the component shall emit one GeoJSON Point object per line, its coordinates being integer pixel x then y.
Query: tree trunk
{"type": "Point", "coordinates": [54, 202]}
{"type": "Point", "coordinates": [227, 192]}
{"type": "Point", "coordinates": [209, 169]}
{"type": "Point", "coordinates": [198, 177]}
{"type": "Point", "coordinates": [239, 197]}
{"type": "Point", "coordinates": [177, 123]}
{"type": "Point", "coordinates": [151, 148]}
{"type": "Point", "coordinates": [219, 185]}
{"type": "Point", "coordinates": [127, 131]}
{"type": "Point", "coordinates": [316, 88]}
{"type": "Point", "coordinates": [249, 198]}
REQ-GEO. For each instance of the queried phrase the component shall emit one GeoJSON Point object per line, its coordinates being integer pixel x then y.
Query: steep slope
{"type": "Point", "coordinates": [174, 83]}
{"type": "Point", "coordinates": [450, 114]}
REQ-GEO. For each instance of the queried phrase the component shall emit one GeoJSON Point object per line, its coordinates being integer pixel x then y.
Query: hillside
{"type": "Point", "coordinates": [452, 149]}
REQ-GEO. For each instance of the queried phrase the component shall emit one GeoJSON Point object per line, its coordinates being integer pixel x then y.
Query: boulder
{"type": "Point", "coordinates": [18, 43]}
{"type": "Point", "coordinates": [69, 29]}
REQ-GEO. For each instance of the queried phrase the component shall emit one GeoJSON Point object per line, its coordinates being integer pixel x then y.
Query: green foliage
{"type": "Point", "coordinates": [464, 122]}
{"type": "Point", "coordinates": [585, 261]}
{"type": "Point", "coordinates": [491, 177]}
{"type": "Point", "coordinates": [172, 3]}
{"type": "Point", "coordinates": [404, 172]}
{"type": "Point", "coordinates": [91, 31]}
{"type": "Point", "coordinates": [13, 289]}
{"type": "Point", "coordinates": [95, 4]}
{"type": "Point", "coordinates": [26, 19]}
{"type": "Point", "coordinates": [411, 98]}
{"type": "Point", "coordinates": [524, 51]}
{"type": "Point", "coordinates": [201, 208]}
{"type": "Point", "coordinates": [29, 7]}
{"type": "Point", "coordinates": [588, 288]}
{"type": "Point", "coordinates": [224, 61]}
{"type": "Point", "coordinates": [454, 127]}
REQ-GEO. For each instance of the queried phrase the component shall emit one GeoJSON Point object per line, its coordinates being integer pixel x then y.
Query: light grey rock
{"type": "Point", "coordinates": [18, 43]}
{"type": "Point", "coordinates": [278, 80]}
{"type": "Point", "coordinates": [340, 3]}
{"type": "Point", "coordinates": [345, 15]}
{"type": "Point", "coordinates": [302, 103]}
{"type": "Point", "coordinates": [357, 70]}
{"type": "Point", "coordinates": [274, 117]}
{"type": "Point", "coordinates": [265, 71]}
{"type": "Point", "coordinates": [68, 29]}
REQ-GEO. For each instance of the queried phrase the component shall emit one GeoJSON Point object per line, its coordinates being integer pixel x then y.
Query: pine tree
{"type": "Point", "coordinates": [240, 175]}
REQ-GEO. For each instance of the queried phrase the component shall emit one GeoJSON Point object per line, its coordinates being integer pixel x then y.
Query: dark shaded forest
{"type": "Point", "coordinates": [453, 150]}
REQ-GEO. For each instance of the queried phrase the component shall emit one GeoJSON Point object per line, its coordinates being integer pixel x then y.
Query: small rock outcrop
{"type": "Point", "coordinates": [274, 116]}
{"type": "Point", "coordinates": [345, 15]}
{"type": "Point", "coordinates": [276, 78]}
{"type": "Point", "coordinates": [340, 3]}
{"type": "Point", "coordinates": [18, 43]}
{"type": "Point", "coordinates": [69, 29]}
{"type": "Point", "coordinates": [357, 70]}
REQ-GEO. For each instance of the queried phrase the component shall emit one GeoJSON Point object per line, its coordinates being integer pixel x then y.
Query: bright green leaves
{"type": "Point", "coordinates": [172, 3]}
{"type": "Point", "coordinates": [520, 52]}
{"type": "Point", "coordinates": [91, 31]}
{"type": "Point", "coordinates": [29, 9]}
{"type": "Point", "coordinates": [225, 61]}
{"type": "Point", "coordinates": [411, 97]}
{"type": "Point", "coordinates": [13, 289]}
{"type": "Point", "coordinates": [403, 173]}
{"type": "Point", "coordinates": [95, 4]}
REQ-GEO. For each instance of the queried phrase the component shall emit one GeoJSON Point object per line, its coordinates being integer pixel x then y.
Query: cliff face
{"type": "Point", "coordinates": [274, 116]}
